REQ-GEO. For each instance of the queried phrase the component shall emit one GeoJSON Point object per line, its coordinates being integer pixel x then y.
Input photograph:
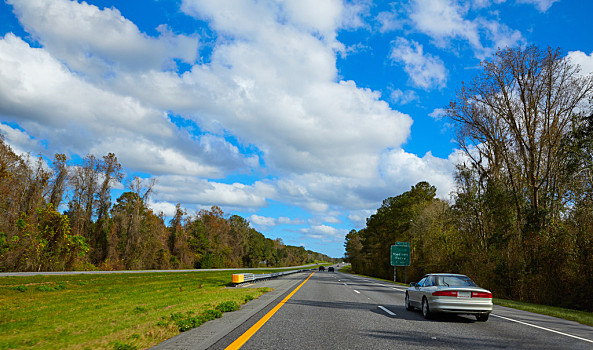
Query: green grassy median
{"type": "Point", "coordinates": [112, 311]}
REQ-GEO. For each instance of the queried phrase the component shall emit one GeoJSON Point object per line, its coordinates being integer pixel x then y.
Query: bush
{"type": "Point", "coordinates": [21, 288]}
{"type": "Point", "coordinates": [228, 306]}
{"type": "Point", "coordinates": [212, 314]}
{"type": "Point", "coordinates": [190, 322]}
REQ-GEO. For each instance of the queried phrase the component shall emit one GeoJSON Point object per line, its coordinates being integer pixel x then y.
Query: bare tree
{"type": "Point", "coordinates": [512, 120]}
{"type": "Point", "coordinates": [110, 170]}
{"type": "Point", "coordinates": [58, 184]}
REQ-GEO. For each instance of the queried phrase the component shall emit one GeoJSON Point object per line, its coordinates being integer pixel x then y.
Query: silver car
{"type": "Point", "coordinates": [449, 293]}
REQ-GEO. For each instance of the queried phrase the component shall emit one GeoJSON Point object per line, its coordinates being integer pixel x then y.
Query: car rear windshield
{"type": "Point", "coordinates": [454, 281]}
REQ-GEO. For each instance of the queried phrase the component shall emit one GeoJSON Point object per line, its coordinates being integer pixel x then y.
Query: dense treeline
{"type": "Point", "coordinates": [94, 233]}
{"type": "Point", "coordinates": [521, 219]}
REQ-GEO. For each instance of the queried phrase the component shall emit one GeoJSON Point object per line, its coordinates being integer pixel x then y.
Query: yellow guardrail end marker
{"type": "Point", "coordinates": [238, 278]}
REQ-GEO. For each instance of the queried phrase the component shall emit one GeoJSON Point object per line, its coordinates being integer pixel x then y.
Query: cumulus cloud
{"type": "Point", "coordinates": [425, 70]}
{"type": "Point", "coordinates": [97, 42]}
{"type": "Point", "coordinates": [583, 60]}
{"type": "Point", "coordinates": [201, 192]}
{"type": "Point", "coordinates": [38, 91]}
{"type": "Point", "coordinates": [403, 168]}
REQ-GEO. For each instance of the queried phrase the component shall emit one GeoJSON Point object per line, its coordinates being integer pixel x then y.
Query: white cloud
{"type": "Point", "coordinates": [444, 20]}
{"type": "Point", "coordinates": [405, 169]}
{"type": "Point", "coordinates": [583, 60]}
{"type": "Point", "coordinates": [267, 221]}
{"type": "Point", "coordinates": [38, 91]}
{"type": "Point", "coordinates": [325, 233]}
{"type": "Point", "coordinates": [425, 70]}
{"type": "Point", "coordinates": [97, 42]}
{"type": "Point", "coordinates": [201, 192]}
{"type": "Point", "coordinates": [168, 209]}
{"type": "Point", "coordinates": [389, 21]}
{"type": "Point", "coordinates": [398, 96]}
{"type": "Point", "coordinates": [20, 142]}
{"type": "Point", "coordinates": [437, 114]}
{"type": "Point", "coordinates": [541, 5]}
{"type": "Point", "coordinates": [263, 220]}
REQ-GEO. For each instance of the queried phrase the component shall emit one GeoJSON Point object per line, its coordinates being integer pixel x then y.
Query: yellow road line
{"type": "Point", "coordinates": [251, 331]}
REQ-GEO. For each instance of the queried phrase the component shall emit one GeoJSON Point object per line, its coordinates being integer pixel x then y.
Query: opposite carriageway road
{"type": "Point", "coordinates": [341, 311]}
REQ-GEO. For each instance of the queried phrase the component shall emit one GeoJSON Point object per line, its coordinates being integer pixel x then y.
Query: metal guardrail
{"type": "Point", "coordinates": [244, 278]}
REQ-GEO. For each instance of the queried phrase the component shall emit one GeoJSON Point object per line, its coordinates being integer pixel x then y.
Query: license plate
{"type": "Point", "coordinates": [464, 294]}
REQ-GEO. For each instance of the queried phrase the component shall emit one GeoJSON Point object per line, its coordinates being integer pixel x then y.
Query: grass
{"type": "Point", "coordinates": [583, 317]}
{"type": "Point", "coordinates": [111, 311]}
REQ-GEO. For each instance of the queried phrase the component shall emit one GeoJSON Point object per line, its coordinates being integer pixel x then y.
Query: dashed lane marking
{"type": "Point", "coordinates": [386, 310]}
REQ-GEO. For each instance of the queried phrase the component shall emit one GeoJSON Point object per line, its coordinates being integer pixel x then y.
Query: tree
{"type": "Point", "coordinates": [110, 170]}
{"type": "Point", "coordinates": [511, 123]}
{"type": "Point", "coordinates": [58, 184]}
{"type": "Point", "coordinates": [522, 124]}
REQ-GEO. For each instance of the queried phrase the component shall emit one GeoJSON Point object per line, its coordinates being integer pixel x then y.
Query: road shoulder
{"type": "Point", "coordinates": [209, 333]}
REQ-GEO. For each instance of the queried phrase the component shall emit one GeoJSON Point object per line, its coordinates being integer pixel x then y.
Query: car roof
{"type": "Point", "coordinates": [444, 274]}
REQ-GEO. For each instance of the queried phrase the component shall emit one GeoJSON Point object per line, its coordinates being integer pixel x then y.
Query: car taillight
{"type": "Point", "coordinates": [445, 293]}
{"type": "Point", "coordinates": [481, 295]}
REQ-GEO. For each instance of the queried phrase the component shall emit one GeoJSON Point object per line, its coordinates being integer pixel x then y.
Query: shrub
{"type": "Point", "coordinates": [228, 306]}
{"type": "Point", "coordinates": [212, 314]}
{"type": "Point", "coordinates": [21, 288]}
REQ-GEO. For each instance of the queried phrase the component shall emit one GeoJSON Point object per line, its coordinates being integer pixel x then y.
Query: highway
{"type": "Point", "coordinates": [343, 311]}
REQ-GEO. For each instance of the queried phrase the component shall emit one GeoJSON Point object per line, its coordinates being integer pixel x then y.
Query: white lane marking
{"type": "Point", "coordinates": [386, 310]}
{"type": "Point", "coordinates": [356, 291]}
{"type": "Point", "coordinates": [545, 329]}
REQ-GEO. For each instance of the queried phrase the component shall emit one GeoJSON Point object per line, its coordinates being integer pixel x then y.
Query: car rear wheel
{"type": "Point", "coordinates": [425, 309]}
{"type": "Point", "coordinates": [409, 306]}
{"type": "Point", "coordinates": [482, 317]}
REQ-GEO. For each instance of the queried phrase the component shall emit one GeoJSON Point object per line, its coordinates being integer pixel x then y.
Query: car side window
{"type": "Point", "coordinates": [421, 283]}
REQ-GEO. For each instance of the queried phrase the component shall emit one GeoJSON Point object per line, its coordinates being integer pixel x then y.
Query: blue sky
{"type": "Point", "coordinates": [301, 116]}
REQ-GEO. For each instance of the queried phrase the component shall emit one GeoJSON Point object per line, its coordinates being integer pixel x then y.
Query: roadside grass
{"type": "Point", "coordinates": [583, 317]}
{"type": "Point", "coordinates": [112, 311]}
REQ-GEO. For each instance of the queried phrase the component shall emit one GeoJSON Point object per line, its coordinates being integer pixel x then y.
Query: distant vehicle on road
{"type": "Point", "coordinates": [330, 269]}
{"type": "Point", "coordinates": [449, 293]}
{"type": "Point", "coordinates": [321, 268]}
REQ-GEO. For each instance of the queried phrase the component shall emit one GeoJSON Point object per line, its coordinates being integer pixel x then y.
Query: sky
{"type": "Point", "coordinates": [301, 116]}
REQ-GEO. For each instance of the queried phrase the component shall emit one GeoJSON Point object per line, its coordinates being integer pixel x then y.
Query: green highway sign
{"type": "Point", "coordinates": [400, 254]}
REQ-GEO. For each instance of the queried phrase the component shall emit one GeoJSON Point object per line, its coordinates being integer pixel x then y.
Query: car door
{"type": "Point", "coordinates": [415, 294]}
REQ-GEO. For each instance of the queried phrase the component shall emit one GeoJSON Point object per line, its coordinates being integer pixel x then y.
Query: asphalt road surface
{"type": "Point", "coordinates": [341, 311]}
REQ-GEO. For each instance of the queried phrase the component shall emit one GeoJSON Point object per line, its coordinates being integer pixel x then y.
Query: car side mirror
{"type": "Point", "coordinates": [413, 284]}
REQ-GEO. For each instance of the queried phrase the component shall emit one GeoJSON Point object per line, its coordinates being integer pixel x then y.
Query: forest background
{"type": "Point", "coordinates": [520, 222]}
{"type": "Point", "coordinates": [96, 234]}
